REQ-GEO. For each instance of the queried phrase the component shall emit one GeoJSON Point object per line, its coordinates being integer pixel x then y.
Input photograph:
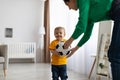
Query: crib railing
{"type": "Point", "coordinates": [24, 50]}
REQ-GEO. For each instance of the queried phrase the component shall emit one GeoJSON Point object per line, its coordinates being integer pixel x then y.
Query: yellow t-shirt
{"type": "Point", "coordinates": [56, 59]}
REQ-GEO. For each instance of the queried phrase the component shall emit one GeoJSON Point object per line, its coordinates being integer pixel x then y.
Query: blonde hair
{"type": "Point", "coordinates": [59, 27]}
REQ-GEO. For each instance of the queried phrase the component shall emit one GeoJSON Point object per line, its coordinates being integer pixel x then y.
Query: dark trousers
{"type": "Point", "coordinates": [59, 71]}
{"type": "Point", "coordinates": [114, 49]}
{"type": "Point", "coordinates": [115, 67]}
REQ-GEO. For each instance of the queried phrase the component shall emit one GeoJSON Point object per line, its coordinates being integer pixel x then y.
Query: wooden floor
{"type": "Point", "coordinates": [31, 71]}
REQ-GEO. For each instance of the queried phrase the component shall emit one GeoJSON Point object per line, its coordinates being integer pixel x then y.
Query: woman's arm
{"type": "Point", "coordinates": [73, 50]}
{"type": "Point", "coordinates": [82, 23]}
{"type": "Point", "coordinates": [86, 35]}
{"type": "Point", "coordinates": [85, 38]}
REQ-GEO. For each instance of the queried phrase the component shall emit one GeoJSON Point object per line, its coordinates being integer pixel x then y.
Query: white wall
{"type": "Point", "coordinates": [24, 16]}
{"type": "Point", "coordinates": [21, 15]}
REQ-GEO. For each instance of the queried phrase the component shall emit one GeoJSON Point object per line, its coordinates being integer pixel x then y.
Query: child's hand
{"type": "Point", "coordinates": [55, 52]}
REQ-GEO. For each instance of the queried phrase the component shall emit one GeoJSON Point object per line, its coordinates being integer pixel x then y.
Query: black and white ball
{"type": "Point", "coordinates": [61, 50]}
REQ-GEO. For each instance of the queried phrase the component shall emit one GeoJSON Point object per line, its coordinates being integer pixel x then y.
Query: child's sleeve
{"type": "Point", "coordinates": [52, 46]}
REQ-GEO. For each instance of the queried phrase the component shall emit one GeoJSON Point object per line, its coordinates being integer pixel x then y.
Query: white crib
{"type": "Point", "coordinates": [23, 50]}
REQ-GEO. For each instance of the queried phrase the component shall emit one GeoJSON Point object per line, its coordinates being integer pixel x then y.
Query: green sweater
{"type": "Point", "coordinates": [90, 11]}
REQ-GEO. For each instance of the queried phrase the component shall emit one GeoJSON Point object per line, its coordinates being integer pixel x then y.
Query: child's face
{"type": "Point", "coordinates": [59, 34]}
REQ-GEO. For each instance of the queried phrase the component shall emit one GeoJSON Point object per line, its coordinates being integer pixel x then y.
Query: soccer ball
{"type": "Point", "coordinates": [61, 50]}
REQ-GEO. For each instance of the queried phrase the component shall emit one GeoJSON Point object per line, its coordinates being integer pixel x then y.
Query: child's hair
{"type": "Point", "coordinates": [59, 27]}
{"type": "Point", "coordinates": [66, 0]}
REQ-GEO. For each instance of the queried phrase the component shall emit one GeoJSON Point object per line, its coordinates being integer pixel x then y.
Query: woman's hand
{"type": "Point", "coordinates": [68, 43]}
{"type": "Point", "coordinates": [73, 50]}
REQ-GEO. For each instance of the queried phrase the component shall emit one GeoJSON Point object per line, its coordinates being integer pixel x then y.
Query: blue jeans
{"type": "Point", "coordinates": [114, 49]}
{"type": "Point", "coordinates": [59, 71]}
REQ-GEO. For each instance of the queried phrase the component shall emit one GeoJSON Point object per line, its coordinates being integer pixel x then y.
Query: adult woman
{"type": "Point", "coordinates": [91, 11]}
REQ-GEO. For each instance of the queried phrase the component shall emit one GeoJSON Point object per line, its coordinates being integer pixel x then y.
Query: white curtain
{"type": "Point", "coordinates": [41, 31]}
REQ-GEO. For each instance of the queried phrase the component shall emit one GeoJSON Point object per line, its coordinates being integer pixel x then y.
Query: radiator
{"type": "Point", "coordinates": [24, 50]}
